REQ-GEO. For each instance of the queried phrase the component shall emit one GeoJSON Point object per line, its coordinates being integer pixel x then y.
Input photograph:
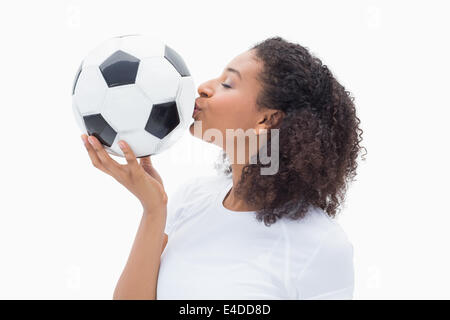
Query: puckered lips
{"type": "Point", "coordinates": [197, 109]}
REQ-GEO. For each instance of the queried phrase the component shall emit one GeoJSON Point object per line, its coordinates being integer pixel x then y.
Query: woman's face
{"type": "Point", "coordinates": [229, 101]}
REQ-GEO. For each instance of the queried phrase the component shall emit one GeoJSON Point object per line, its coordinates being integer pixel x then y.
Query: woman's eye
{"type": "Point", "coordinates": [226, 85]}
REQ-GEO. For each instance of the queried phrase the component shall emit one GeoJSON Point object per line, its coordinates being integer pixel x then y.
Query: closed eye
{"type": "Point", "coordinates": [226, 85]}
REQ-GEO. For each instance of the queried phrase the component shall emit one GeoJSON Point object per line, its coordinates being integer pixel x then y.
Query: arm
{"type": "Point", "coordinates": [140, 275]}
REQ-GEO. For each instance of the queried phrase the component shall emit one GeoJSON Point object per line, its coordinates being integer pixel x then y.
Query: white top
{"type": "Point", "coordinates": [217, 253]}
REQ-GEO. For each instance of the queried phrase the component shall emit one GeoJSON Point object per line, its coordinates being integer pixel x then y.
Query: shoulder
{"type": "Point", "coordinates": [321, 233]}
{"type": "Point", "coordinates": [312, 228]}
{"type": "Point", "coordinates": [324, 268]}
{"type": "Point", "coordinates": [334, 247]}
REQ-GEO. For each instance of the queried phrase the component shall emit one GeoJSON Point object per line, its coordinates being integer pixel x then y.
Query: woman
{"type": "Point", "coordinates": [248, 235]}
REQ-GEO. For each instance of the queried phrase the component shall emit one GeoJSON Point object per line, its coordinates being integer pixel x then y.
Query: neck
{"type": "Point", "coordinates": [232, 202]}
{"type": "Point", "coordinates": [237, 173]}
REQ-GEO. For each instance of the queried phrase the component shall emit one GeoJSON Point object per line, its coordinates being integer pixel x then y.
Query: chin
{"type": "Point", "coordinates": [191, 131]}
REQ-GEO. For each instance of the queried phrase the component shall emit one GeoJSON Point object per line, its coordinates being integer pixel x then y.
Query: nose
{"type": "Point", "coordinates": [205, 90]}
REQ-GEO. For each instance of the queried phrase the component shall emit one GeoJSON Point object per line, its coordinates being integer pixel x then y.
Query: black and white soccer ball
{"type": "Point", "coordinates": [134, 88]}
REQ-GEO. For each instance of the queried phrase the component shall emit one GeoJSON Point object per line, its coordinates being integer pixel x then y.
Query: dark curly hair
{"type": "Point", "coordinates": [319, 136]}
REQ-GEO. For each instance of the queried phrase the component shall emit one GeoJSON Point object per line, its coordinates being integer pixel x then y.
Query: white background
{"type": "Point", "coordinates": [66, 228]}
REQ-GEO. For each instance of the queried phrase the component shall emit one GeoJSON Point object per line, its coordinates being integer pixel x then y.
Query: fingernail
{"type": "Point", "coordinates": [91, 140]}
{"type": "Point", "coordinates": [121, 145]}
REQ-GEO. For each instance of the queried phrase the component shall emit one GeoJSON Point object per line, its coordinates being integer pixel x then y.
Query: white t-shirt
{"type": "Point", "coordinates": [217, 253]}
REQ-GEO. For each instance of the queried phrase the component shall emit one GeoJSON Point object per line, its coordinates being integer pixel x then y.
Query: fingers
{"type": "Point", "coordinates": [107, 162]}
{"type": "Point", "coordinates": [129, 154]}
{"type": "Point", "coordinates": [92, 154]}
{"type": "Point", "coordinates": [99, 157]}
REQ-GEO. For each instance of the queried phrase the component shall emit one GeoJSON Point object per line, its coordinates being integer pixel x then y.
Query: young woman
{"type": "Point", "coordinates": [244, 234]}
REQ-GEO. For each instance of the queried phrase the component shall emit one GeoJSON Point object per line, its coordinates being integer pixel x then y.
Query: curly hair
{"type": "Point", "coordinates": [319, 136]}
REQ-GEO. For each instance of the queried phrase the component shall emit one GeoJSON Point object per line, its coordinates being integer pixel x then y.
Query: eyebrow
{"type": "Point", "coordinates": [235, 71]}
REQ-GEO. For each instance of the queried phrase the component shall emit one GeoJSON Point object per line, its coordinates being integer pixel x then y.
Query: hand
{"type": "Point", "coordinates": [141, 179]}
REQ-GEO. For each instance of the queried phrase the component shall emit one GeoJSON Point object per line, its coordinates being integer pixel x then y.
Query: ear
{"type": "Point", "coordinates": [270, 119]}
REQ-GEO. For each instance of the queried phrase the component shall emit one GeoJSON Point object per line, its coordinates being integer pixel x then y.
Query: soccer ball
{"type": "Point", "coordinates": [134, 88]}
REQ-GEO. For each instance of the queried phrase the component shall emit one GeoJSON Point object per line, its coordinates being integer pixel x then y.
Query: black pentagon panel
{"type": "Point", "coordinates": [76, 78]}
{"type": "Point", "coordinates": [120, 69]}
{"type": "Point", "coordinates": [176, 60]}
{"type": "Point", "coordinates": [163, 119]}
{"type": "Point", "coordinates": [97, 126]}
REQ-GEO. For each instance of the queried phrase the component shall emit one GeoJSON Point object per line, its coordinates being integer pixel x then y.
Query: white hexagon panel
{"type": "Point", "coordinates": [185, 98]}
{"type": "Point", "coordinates": [159, 88]}
{"type": "Point", "coordinates": [126, 108]}
{"type": "Point", "coordinates": [90, 90]}
{"type": "Point", "coordinates": [141, 142]}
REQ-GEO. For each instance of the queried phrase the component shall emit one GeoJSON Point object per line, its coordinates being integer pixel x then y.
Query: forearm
{"type": "Point", "coordinates": [140, 275]}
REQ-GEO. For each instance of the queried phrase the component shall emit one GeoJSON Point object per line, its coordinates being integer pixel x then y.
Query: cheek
{"type": "Point", "coordinates": [240, 117]}
{"type": "Point", "coordinates": [231, 111]}
{"type": "Point", "coordinates": [225, 104]}
{"type": "Point", "coordinates": [233, 106]}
